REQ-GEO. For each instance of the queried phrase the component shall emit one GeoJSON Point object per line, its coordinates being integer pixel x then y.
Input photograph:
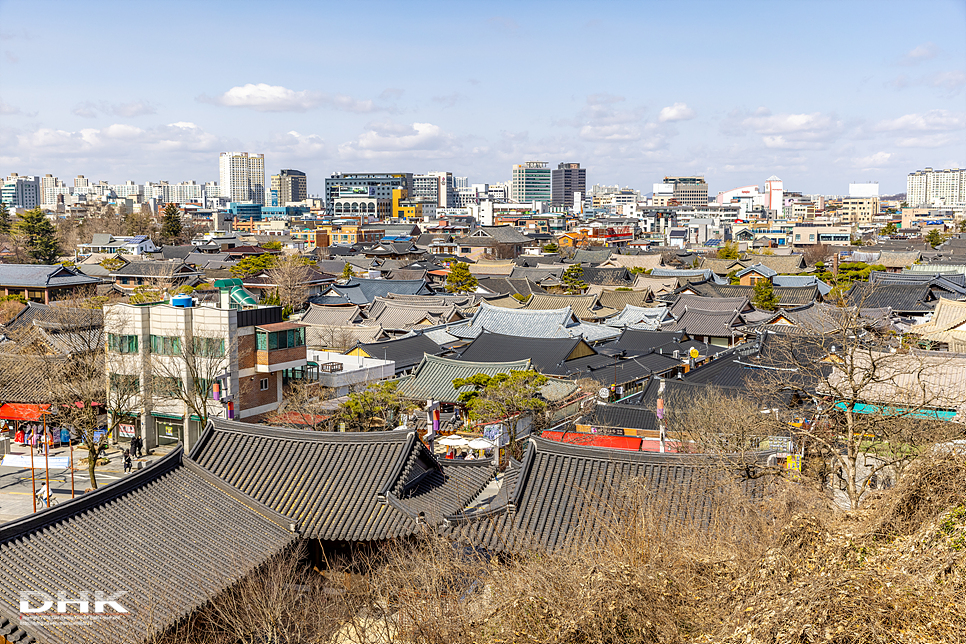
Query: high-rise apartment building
{"type": "Point", "coordinates": [775, 195]}
{"type": "Point", "coordinates": [568, 178]}
{"type": "Point", "coordinates": [81, 181]}
{"type": "Point", "coordinates": [288, 186]}
{"type": "Point", "coordinates": [936, 187]}
{"type": "Point", "coordinates": [531, 181]}
{"type": "Point", "coordinates": [21, 192]}
{"type": "Point", "coordinates": [177, 193]}
{"type": "Point", "coordinates": [376, 184]}
{"type": "Point", "coordinates": [689, 191]}
{"type": "Point", "coordinates": [242, 176]}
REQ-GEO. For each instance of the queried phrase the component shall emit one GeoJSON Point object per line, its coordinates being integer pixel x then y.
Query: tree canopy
{"type": "Point", "coordinates": [254, 264]}
{"type": "Point", "coordinates": [171, 224]}
{"type": "Point", "coordinates": [460, 279]}
{"type": "Point", "coordinates": [38, 235]}
{"type": "Point", "coordinates": [763, 295]}
{"type": "Point", "coordinates": [573, 279]}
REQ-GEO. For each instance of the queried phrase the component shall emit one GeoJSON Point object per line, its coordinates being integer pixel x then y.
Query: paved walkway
{"type": "Point", "coordinates": [16, 488]}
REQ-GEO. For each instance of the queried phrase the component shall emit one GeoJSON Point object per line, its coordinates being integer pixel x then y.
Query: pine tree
{"type": "Point", "coordinates": [763, 295]}
{"type": "Point", "coordinates": [4, 219]}
{"type": "Point", "coordinates": [573, 279]}
{"type": "Point", "coordinates": [347, 272]}
{"type": "Point", "coordinates": [171, 226]}
{"type": "Point", "coordinates": [460, 279]}
{"type": "Point", "coordinates": [39, 235]}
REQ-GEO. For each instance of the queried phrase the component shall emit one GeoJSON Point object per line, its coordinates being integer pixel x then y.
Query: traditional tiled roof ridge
{"type": "Point", "coordinates": [302, 435]}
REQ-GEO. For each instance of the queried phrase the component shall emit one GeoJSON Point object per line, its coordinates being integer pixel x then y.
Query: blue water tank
{"type": "Point", "coordinates": [183, 301]}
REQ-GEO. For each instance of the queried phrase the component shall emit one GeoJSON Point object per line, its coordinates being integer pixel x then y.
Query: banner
{"type": "Point", "coordinates": [23, 461]}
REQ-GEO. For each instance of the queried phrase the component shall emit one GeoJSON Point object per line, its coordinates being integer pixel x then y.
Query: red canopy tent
{"type": "Point", "coordinates": [23, 412]}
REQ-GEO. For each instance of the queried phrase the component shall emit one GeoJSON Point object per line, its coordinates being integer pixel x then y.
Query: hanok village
{"type": "Point", "coordinates": [472, 434]}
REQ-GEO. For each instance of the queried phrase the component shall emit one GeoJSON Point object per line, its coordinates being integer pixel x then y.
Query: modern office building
{"type": "Point", "coordinates": [689, 191]}
{"type": "Point", "coordinates": [21, 192]}
{"type": "Point", "coordinates": [242, 176]}
{"type": "Point", "coordinates": [568, 179]}
{"type": "Point", "coordinates": [858, 210]}
{"type": "Point", "coordinates": [531, 181]}
{"type": "Point", "coordinates": [341, 184]}
{"type": "Point", "coordinates": [435, 186]}
{"type": "Point", "coordinates": [288, 186]}
{"type": "Point", "coordinates": [936, 187]}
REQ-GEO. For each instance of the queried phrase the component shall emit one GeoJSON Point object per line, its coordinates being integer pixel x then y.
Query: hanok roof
{"type": "Point", "coordinates": [585, 307]}
{"type": "Point", "coordinates": [155, 268]}
{"type": "Point", "coordinates": [787, 295]}
{"type": "Point", "coordinates": [493, 235]}
{"type": "Point", "coordinates": [433, 378]}
{"type": "Point", "coordinates": [551, 323]}
{"type": "Point", "coordinates": [43, 276]}
{"type": "Point", "coordinates": [647, 262]}
{"type": "Point", "coordinates": [592, 257]}
{"type": "Point", "coordinates": [801, 280]}
{"type": "Point", "coordinates": [902, 298]}
{"type": "Point", "coordinates": [759, 269]}
{"type": "Point", "coordinates": [341, 337]}
{"type": "Point", "coordinates": [363, 291]}
{"type": "Point", "coordinates": [340, 486]}
{"type": "Point", "coordinates": [406, 352]}
{"type": "Point", "coordinates": [564, 494]}
{"type": "Point", "coordinates": [638, 317]}
{"type": "Point", "coordinates": [948, 324]}
{"type": "Point", "coordinates": [506, 285]}
{"type": "Point", "coordinates": [331, 315]}
{"type": "Point", "coordinates": [715, 324]}
{"type": "Point", "coordinates": [402, 316]}
{"type": "Point", "coordinates": [687, 301]}
{"type": "Point", "coordinates": [539, 273]}
{"type": "Point", "coordinates": [939, 283]}
{"type": "Point", "coordinates": [548, 355]}
{"type": "Point", "coordinates": [617, 300]}
{"type": "Point", "coordinates": [686, 275]}
{"type": "Point", "coordinates": [788, 264]}
{"type": "Point", "coordinates": [226, 536]}
{"type": "Point", "coordinates": [620, 415]}
{"type": "Point", "coordinates": [500, 268]}
{"type": "Point", "coordinates": [640, 341]}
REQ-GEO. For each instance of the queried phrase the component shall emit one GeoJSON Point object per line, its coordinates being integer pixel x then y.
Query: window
{"type": "Point", "coordinates": [166, 345]}
{"type": "Point", "coordinates": [210, 347]}
{"type": "Point", "coordinates": [122, 343]}
{"type": "Point", "coordinates": [124, 384]}
{"type": "Point", "coordinates": [166, 387]}
{"type": "Point", "coordinates": [263, 384]}
{"type": "Point", "coordinates": [287, 339]}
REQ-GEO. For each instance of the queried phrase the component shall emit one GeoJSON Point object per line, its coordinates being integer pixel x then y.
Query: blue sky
{"type": "Point", "coordinates": [820, 93]}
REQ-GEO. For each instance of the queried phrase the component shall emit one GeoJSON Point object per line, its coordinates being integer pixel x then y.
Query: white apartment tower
{"type": "Point", "coordinates": [242, 176]}
{"type": "Point", "coordinates": [936, 187]}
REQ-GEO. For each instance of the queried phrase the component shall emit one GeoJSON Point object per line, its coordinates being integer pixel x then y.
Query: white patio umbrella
{"type": "Point", "coordinates": [481, 443]}
{"type": "Point", "coordinates": [453, 441]}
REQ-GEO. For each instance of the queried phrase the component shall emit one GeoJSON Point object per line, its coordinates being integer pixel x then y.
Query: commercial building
{"type": "Point", "coordinates": [411, 209]}
{"type": "Point", "coordinates": [775, 195]}
{"type": "Point", "coordinates": [242, 176]}
{"type": "Point", "coordinates": [375, 184]}
{"type": "Point", "coordinates": [936, 187]}
{"type": "Point", "coordinates": [189, 363]}
{"type": "Point", "coordinates": [288, 186]}
{"type": "Point", "coordinates": [21, 192]}
{"type": "Point", "coordinates": [568, 179]}
{"type": "Point", "coordinates": [858, 210]}
{"type": "Point", "coordinates": [531, 181]}
{"type": "Point", "coordinates": [689, 191]}
{"type": "Point", "coordinates": [437, 187]}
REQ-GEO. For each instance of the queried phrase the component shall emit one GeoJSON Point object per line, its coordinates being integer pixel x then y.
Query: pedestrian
{"type": "Point", "coordinates": [127, 461]}
{"type": "Point", "coordinates": [136, 445]}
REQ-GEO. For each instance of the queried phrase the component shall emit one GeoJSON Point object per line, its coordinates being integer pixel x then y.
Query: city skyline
{"type": "Point", "coordinates": [821, 94]}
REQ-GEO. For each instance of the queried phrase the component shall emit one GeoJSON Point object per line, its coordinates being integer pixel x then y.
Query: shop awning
{"type": "Point", "coordinates": [631, 443]}
{"type": "Point", "coordinates": [23, 412]}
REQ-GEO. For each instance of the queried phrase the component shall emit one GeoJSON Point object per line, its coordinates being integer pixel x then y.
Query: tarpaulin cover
{"type": "Point", "coordinates": [23, 412]}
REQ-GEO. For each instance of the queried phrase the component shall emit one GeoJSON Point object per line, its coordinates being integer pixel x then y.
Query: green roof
{"type": "Point", "coordinates": [433, 378]}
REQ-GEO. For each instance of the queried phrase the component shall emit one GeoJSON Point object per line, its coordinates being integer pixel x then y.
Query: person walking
{"type": "Point", "coordinates": [127, 461]}
{"type": "Point", "coordinates": [136, 445]}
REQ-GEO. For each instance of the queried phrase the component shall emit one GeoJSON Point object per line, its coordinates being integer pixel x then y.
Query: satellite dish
{"type": "Point", "coordinates": [604, 393]}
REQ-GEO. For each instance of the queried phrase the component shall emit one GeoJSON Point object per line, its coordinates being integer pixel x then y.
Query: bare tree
{"type": "Point", "coordinates": [816, 253]}
{"type": "Point", "coordinates": [307, 405]}
{"type": "Point", "coordinates": [290, 276]}
{"type": "Point", "coordinates": [185, 370]}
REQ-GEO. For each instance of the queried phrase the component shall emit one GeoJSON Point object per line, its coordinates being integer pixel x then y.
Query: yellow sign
{"type": "Point", "coordinates": [693, 353]}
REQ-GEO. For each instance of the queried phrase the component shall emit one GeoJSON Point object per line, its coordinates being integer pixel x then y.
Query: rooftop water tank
{"type": "Point", "coordinates": [183, 301]}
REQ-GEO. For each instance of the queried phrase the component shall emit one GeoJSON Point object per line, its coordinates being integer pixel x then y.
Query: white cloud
{"type": "Point", "coordinates": [873, 161]}
{"type": "Point", "coordinates": [90, 110]}
{"type": "Point", "coordinates": [922, 53]}
{"type": "Point", "coordinates": [387, 139]}
{"type": "Point", "coordinates": [275, 98]}
{"type": "Point", "coordinates": [296, 145]}
{"type": "Point", "coordinates": [6, 108]}
{"type": "Point", "coordinates": [812, 131]}
{"type": "Point", "coordinates": [933, 120]}
{"type": "Point", "coordinates": [676, 112]}
{"type": "Point", "coordinates": [926, 141]}
{"type": "Point", "coordinates": [117, 140]}
{"type": "Point", "coordinates": [951, 81]}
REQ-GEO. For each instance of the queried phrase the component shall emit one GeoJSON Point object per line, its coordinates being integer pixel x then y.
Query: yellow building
{"type": "Point", "coordinates": [858, 210]}
{"type": "Point", "coordinates": [411, 210]}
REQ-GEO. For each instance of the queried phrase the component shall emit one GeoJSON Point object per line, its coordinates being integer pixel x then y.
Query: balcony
{"type": "Point", "coordinates": [279, 346]}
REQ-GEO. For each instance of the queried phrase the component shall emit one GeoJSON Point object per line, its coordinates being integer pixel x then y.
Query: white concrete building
{"type": "Point", "coordinates": [242, 176]}
{"type": "Point", "coordinates": [936, 187]}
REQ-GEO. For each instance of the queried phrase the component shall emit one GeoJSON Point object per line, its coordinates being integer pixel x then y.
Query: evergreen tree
{"type": "Point", "coordinates": [347, 272]}
{"type": "Point", "coordinates": [39, 236]}
{"type": "Point", "coordinates": [4, 219]}
{"type": "Point", "coordinates": [573, 279]}
{"type": "Point", "coordinates": [460, 279]}
{"type": "Point", "coordinates": [763, 295]}
{"type": "Point", "coordinates": [934, 238]}
{"type": "Point", "coordinates": [171, 226]}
